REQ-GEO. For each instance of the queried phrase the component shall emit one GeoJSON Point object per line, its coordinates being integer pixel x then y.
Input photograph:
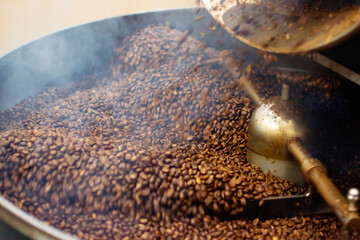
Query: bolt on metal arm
{"type": "Point", "coordinates": [316, 173]}
{"type": "Point", "coordinates": [312, 169]}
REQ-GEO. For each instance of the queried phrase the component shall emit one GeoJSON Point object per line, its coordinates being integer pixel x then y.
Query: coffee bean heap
{"type": "Point", "coordinates": [153, 150]}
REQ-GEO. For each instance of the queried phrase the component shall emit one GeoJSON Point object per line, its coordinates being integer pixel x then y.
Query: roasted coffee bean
{"type": "Point", "coordinates": [152, 151]}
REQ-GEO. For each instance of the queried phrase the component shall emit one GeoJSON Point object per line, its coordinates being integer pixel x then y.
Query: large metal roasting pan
{"type": "Point", "coordinates": [87, 49]}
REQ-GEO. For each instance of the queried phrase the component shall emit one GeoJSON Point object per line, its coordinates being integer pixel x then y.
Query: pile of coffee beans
{"type": "Point", "coordinates": [156, 149]}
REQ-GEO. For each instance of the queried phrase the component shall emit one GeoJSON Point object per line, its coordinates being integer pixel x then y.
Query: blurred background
{"type": "Point", "coordinates": [22, 21]}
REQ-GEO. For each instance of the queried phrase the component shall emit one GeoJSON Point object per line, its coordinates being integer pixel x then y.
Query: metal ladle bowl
{"type": "Point", "coordinates": [287, 26]}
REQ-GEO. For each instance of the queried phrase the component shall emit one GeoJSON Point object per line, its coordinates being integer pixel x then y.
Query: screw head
{"type": "Point", "coordinates": [353, 194]}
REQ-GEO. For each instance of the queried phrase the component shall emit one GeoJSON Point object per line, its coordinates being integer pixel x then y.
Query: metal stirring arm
{"type": "Point", "coordinates": [226, 59]}
{"type": "Point", "coordinates": [312, 169]}
{"type": "Point", "coordinates": [316, 173]}
{"type": "Point", "coordinates": [336, 67]}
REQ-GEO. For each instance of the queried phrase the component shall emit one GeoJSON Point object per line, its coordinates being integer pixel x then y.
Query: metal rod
{"type": "Point", "coordinates": [226, 58]}
{"type": "Point", "coordinates": [313, 170]}
{"type": "Point", "coordinates": [316, 174]}
{"type": "Point", "coordinates": [353, 198]}
{"type": "Point", "coordinates": [285, 92]}
{"type": "Point", "coordinates": [336, 67]}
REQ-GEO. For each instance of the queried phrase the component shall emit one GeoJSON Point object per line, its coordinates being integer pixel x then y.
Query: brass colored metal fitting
{"type": "Point", "coordinates": [271, 127]}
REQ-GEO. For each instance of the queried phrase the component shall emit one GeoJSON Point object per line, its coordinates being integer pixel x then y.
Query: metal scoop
{"type": "Point", "coordinates": [287, 26]}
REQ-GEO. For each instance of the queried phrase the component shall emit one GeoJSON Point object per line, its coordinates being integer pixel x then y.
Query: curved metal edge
{"type": "Point", "coordinates": [23, 222]}
{"type": "Point", "coordinates": [19, 219]}
{"type": "Point", "coordinates": [29, 225]}
{"type": "Point", "coordinates": [94, 21]}
{"type": "Point", "coordinates": [217, 14]}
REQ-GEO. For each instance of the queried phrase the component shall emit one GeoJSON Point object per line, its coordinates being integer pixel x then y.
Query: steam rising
{"type": "Point", "coordinates": [70, 54]}
{"type": "Point", "coordinates": [55, 60]}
